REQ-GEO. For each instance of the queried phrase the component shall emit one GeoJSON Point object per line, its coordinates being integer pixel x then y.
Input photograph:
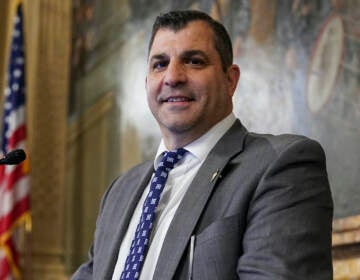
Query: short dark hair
{"type": "Point", "coordinates": [177, 20]}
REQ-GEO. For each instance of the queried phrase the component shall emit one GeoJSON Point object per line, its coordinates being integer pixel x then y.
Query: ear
{"type": "Point", "coordinates": [233, 76]}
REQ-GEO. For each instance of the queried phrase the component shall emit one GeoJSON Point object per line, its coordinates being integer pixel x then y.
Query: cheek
{"type": "Point", "coordinates": [151, 97]}
{"type": "Point", "coordinates": [149, 94]}
{"type": "Point", "coordinates": [151, 100]}
{"type": "Point", "coordinates": [150, 90]}
{"type": "Point", "coordinates": [153, 88]}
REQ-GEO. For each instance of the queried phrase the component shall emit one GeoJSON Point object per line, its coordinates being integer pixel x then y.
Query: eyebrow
{"type": "Point", "coordinates": [159, 56]}
{"type": "Point", "coordinates": [191, 53]}
{"type": "Point", "coordinates": [185, 54]}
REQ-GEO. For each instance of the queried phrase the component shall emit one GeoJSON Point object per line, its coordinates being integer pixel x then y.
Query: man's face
{"type": "Point", "coordinates": [187, 90]}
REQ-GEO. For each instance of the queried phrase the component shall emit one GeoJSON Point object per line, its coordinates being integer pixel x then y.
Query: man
{"type": "Point", "coordinates": [236, 205]}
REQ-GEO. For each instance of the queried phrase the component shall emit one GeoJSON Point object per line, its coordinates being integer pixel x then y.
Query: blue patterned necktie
{"type": "Point", "coordinates": [139, 245]}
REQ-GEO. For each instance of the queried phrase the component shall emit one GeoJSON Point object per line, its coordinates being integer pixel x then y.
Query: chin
{"type": "Point", "coordinates": [178, 127]}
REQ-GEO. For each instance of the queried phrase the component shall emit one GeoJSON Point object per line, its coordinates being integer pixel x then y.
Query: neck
{"type": "Point", "coordinates": [175, 139]}
{"type": "Point", "coordinates": [173, 143]}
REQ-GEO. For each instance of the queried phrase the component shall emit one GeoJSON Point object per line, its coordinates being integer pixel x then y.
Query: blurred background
{"type": "Point", "coordinates": [86, 117]}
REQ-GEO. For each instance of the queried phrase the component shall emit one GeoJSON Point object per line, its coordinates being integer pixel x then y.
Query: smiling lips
{"type": "Point", "coordinates": [177, 99]}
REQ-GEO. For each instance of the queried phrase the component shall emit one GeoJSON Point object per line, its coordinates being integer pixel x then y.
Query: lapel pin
{"type": "Point", "coordinates": [215, 175]}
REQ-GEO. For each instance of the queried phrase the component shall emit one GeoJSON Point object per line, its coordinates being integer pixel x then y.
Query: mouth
{"type": "Point", "coordinates": [173, 99]}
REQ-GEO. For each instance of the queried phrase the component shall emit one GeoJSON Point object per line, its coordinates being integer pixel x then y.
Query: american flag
{"type": "Point", "coordinates": [14, 179]}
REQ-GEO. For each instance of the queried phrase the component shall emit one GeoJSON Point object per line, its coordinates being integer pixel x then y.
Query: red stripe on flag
{"type": "Point", "coordinates": [6, 221]}
{"type": "Point", "coordinates": [14, 177]}
{"type": "Point", "coordinates": [4, 268]}
{"type": "Point", "coordinates": [11, 258]}
{"type": "Point", "coordinates": [17, 136]}
{"type": "Point", "coordinates": [9, 180]}
{"type": "Point", "coordinates": [2, 173]}
{"type": "Point", "coordinates": [13, 251]}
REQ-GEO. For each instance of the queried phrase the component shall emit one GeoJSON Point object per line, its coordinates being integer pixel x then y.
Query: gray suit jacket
{"type": "Point", "coordinates": [268, 214]}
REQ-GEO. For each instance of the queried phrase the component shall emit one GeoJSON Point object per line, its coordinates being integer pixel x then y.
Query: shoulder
{"type": "Point", "coordinates": [136, 171]}
{"type": "Point", "coordinates": [277, 145]}
{"type": "Point", "coordinates": [264, 149]}
{"type": "Point", "coordinates": [125, 182]}
{"type": "Point", "coordinates": [133, 175]}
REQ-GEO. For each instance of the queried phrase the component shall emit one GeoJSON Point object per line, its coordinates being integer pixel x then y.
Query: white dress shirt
{"type": "Point", "coordinates": [178, 182]}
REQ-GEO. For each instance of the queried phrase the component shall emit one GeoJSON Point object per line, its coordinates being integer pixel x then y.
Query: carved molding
{"type": "Point", "coordinates": [47, 59]}
{"type": "Point", "coordinates": [90, 117]}
{"type": "Point", "coordinates": [87, 150]}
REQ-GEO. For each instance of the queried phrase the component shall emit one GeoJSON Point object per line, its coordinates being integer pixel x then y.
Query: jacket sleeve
{"type": "Point", "coordinates": [288, 234]}
{"type": "Point", "coordinates": [85, 271]}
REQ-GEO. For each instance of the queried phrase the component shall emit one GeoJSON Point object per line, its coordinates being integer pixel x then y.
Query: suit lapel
{"type": "Point", "coordinates": [195, 199]}
{"type": "Point", "coordinates": [124, 207]}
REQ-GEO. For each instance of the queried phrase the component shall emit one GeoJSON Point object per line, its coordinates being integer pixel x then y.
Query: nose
{"type": "Point", "coordinates": [175, 74]}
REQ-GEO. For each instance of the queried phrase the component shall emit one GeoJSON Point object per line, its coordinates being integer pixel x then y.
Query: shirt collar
{"type": "Point", "coordinates": [202, 146]}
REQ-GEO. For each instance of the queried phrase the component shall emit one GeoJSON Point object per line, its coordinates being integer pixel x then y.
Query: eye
{"type": "Point", "coordinates": [195, 61]}
{"type": "Point", "coordinates": [160, 64]}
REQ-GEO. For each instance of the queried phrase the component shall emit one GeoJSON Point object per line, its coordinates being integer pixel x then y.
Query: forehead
{"type": "Point", "coordinates": [195, 35]}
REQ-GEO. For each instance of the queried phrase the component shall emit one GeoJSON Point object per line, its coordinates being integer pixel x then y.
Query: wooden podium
{"type": "Point", "coordinates": [346, 248]}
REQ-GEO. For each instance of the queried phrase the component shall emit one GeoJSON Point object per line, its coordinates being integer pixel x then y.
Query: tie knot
{"type": "Point", "coordinates": [170, 158]}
